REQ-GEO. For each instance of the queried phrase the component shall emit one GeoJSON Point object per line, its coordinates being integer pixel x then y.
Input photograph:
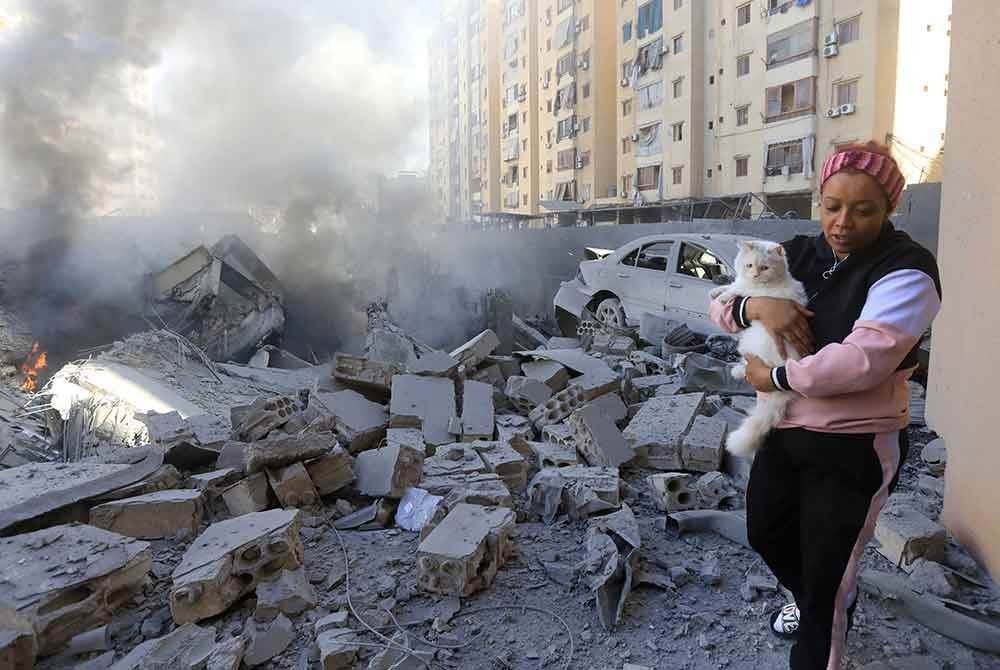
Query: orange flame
{"type": "Point", "coordinates": [36, 362]}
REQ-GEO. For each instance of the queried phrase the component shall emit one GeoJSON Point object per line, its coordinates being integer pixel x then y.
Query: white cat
{"type": "Point", "coordinates": [761, 272]}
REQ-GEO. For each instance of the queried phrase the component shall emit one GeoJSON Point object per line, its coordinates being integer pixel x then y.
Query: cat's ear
{"type": "Point", "coordinates": [779, 250]}
{"type": "Point", "coordinates": [744, 245]}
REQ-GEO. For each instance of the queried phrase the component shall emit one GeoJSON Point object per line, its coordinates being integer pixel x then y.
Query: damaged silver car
{"type": "Point", "coordinates": [668, 276]}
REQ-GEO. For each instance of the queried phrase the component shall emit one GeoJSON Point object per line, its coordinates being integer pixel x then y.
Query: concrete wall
{"type": "Point", "coordinates": [965, 360]}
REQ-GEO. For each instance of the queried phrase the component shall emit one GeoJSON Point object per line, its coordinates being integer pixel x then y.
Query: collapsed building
{"type": "Point", "coordinates": [199, 466]}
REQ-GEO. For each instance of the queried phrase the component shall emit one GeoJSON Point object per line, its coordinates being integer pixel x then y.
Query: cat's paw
{"type": "Point", "coordinates": [739, 371]}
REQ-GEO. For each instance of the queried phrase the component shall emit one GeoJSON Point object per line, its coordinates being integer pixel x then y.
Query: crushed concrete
{"type": "Point", "coordinates": [152, 516]}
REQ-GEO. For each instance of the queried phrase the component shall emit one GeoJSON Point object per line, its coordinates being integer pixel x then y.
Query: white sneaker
{"type": "Point", "coordinates": [785, 621]}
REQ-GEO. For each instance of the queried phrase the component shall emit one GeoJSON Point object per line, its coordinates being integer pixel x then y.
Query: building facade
{"type": "Point", "coordinates": [659, 109]}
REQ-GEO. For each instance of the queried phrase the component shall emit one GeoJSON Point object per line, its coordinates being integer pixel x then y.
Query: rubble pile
{"type": "Point", "coordinates": [212, 514]}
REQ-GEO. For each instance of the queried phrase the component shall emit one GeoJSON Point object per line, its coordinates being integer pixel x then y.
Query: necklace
{"type": "Point", "coordinates": [833, 268]}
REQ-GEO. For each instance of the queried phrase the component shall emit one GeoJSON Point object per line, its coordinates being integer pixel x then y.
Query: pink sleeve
{"type": "Point", "coordinates": [898, 309]}
{"type": "Point", "coordinates": [721, 315]}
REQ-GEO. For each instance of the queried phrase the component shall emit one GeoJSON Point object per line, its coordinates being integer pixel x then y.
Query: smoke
{"type": "Point", "coordinates": [294, 112]}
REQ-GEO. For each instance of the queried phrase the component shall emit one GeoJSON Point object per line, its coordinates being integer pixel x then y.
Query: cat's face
{"type": "Point", "coordinates": [762, 262]}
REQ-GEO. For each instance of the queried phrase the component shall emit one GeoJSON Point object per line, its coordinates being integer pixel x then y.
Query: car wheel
{"type": "Point", "coordinates": [610, 313]}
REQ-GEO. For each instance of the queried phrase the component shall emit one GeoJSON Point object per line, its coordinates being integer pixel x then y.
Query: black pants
{"type": "Point", "coordinates": [807, 501]}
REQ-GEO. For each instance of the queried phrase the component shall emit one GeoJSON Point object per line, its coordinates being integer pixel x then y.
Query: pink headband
{"type": "Point", "coordinates": [882, 168]}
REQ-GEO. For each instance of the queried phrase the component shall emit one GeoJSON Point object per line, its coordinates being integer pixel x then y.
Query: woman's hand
{"type": "Point", "coordinates": [786, 320]}
{"type": "Point", "coordinates": [758, 374]}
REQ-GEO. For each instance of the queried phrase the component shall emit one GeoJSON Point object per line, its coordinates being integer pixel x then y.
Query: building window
{"type": "Point", "coordinates": [626, 145]}
{"type": "Point", "coordinates": [743, 115]}
{"type": "Point", "coordinates": [849, 31]}
{"type": "Point", "coordinates": [586, 90]}
{"type": "Point", "coordinates": [711, 125]}
{"type": "Point", "coordinates": [524, 117]}
{"type": "Point", "coordinates": [784, 155]}
{"type": "Point", "coordinates": [743, 65]}
{"type": "Point", "coordinates": [792, 43]}
{"type": "Point", "coordinates": [585, 124]}
{"type": "Point", "coordinates": [845, 92]}
{"type": "Point", "coordinates": [651, 96]}
{"type": "Point", "coordinates": [626, 107]}
{"type": "Point", "coordinates": [548, 103]}
{"type": "Point", "coordinates": [565, 128]}
{"type": "Point", "coordinates": [650, 18]}
{"type": "Point", "coordinates": [626, 185]}
{"type": "Point", "coordinates": [564, 4]}
{"type": "Point", "coordinates": [524, 145]}
{"type": "Point", "coordinates": [743, 15]}
{"type": "Point", "coordinates": [648, 177]}
{"type": "Point", "coordinates": [627, 69]}
{"type": "Point", "coordinates": [678, 4]}
{"type": "Point", "coordinates": [708, 173]}
{"type": "Point", "coordinates": [742, 166]}
{"type": "Point", "coordinates": [524, 172]}
{"type": "Point", "coordinates": [678, 43]}
{"type": "Point", "coordinates": [678, 86]}
{"type": "Point", "coordinates": [548, 166]}
{"type": "Point", "coordinates": [626, 31]}
{"type": "Point", "coordinates": [678, 175]}
{"type": "Point", "coordinates": [585, 23]}
{"type": "Point", "coordinates": [792, 99]}
{"type": "Point", "coordinates": [524, 199]}
{"type": "Point", "coordinates": [649, 143]}
{"type": "Point", "coordinates": [586, 192]}
{"type": "Point", "coordinates": [566, 159]}
{"type": "Point", "coordinates": [678, 131]}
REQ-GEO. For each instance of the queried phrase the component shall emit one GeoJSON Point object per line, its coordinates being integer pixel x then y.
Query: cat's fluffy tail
{"type": "Point", "coordinates": [766, 415]}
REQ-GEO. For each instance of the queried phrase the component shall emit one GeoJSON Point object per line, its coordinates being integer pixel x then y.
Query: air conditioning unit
{"type": "Point", "coordinates": [832, 112]}
{"type": "Point", "coordinates": [830, 50]}
{"type": "Point", "coordinates": [635, 137]}
{"type": "Point", "coordinates": [831, 38]}
{"type": "Point", "coordinates": [579, 165]}
{"type": "Point", "coordinates": [848, 108]}
{"type": "Point", "coordinates": [624, 81]}
{"type": "Point", "coordinates": [786, 171]}
{"type": "Point", "coordinates": [579, 27]}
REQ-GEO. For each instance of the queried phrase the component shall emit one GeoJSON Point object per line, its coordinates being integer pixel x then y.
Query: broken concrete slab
{"type": "Point", "coordinates": [505, 462]}
{"type": "Point", "coordinates": [558, 407]}
{"type": "Point", "coordinates": [510, 426]}
{"type": "Point", "coordinates": [266, 640]}
{"type": "Point", "coordinates": [551, 373]}
{"type": "Point", "coordinates": [612, 559]}
{"type": "Point", "coordinates": [730, 525]}
{"type": "Point", "coordinates": [332, 471]}
{"type": "Point", "coordinates": [165, 477]}
{"type": "Point", "coordinates": [152, 516]}
{"type": "Point", "coordinates": [526, 394]}
{"type": "Point", "coordinates": [935, 456]}
{"type": "Point", "coordinates": [510, 366]}
{"type": "Point", "coordinates": [703, 446]}
{"type": "Point", "coordinates": [644, 388]}
{"type": "Point", "coordinates": [597, 438]}
{"type": "Point", "coordinates": [186, 648]}
{"type": "Point", "coordinates": [17, 648]}
{"type": "Point", "coordinates": [905, 535]}
{"type": "Point", "coordinates": [360, 423]}
{"type": "Point", "coordinates": [475, 351]}
{"type": "Point", "coordinates": [248, 495]}
{"type": "Point", "coordinates": [673, 491]}
{"type": "Point", "coordinates": [255, 421]}
{"type": "Point", "coordinates": [477, 411]}
{"type": "Point", "coordinates": [715, 490]}
{"type": "Point", "coordinates": [485, 490]}
{"type": "Point", "coordinates": [596, 384]}
{"type": "Point", "coordinates": [933, 578]}
{"type": "Point", "coordinates": [373, 517]}
{"type": "Point", "coordinates": [463, 554]}
{"type": "Point", "coordinates": [388, 471]}
{"type": "Point", "coordinates": [434, 364]}
{"type": "Point", "coordinates": [656, 432]}
{"type": "Point", "coordinates": [65, 580]}
{"type": "Point", "coordinates": [275, 451]}
{"type": "Point", "coordinates": [574, 359]}
{"type": "Point", "coordinates": [227, 655]}
{"type": "Point", "coordinates": [427, 403]}
{"type": "Point", "coordinates": [588, 490]}
{"type": "Point", "coordinates": [559, 433]}
{"type": "Point", "coordinates": [230, 558]}
{"type": "Point", "coordinates": [609, 343]}
{"type": "Point", "coordinates": [411, 438]}
{"type": "Point", "coordinates": [612, 406]}
{"type": "Point", "coordinates": [293, 486]}
{"type": "Point", "coordinates": [364, 374]}
{"type": "Point", "coordinates": [453, 459]}
{"type": "Point", "coordinates": [338, 648]}
{"type": "Point", "coordinates": [553, 454]}
{"type": "Point", "coordinates": [214, 481]}
{"type": "Point", "coordinates": [185, 443]}
{"type": "Point", "coordinates": [288, 593]}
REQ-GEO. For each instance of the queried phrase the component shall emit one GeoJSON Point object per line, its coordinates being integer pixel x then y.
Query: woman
{"type": "Point", "coordinates": [817, 485]}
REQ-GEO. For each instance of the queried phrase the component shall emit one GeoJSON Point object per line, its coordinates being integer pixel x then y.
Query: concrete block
{"type": "Point", "coordinates": [510, 426]}
{"type": "Point", "coordinates": [553, 454]}
{"type": "Point", "coordinates": [188, 647]}
{"type": "Point", "coordinates": [463, 554]}
{"type": "Point", "coordinates": [491, 375]}
{"type": "Point", "coordinates": [433, 364]}
{"type": "Point", "coordinates": [388, 471]}
{"type": "Point", "coordinates": [475, 351]}
{"type": "Point", "coordinates": [564, 343]}
{"type": "Point", "coordinates": [716, 490]}
{"type": "Point", "coordinates": [453, 459]}
{"type": "Point", "coordinates": [737, 467]}
{"type": "Point", "coordinates": [276, 451]}
{"type": "Point", "coordinates": [363, 373]}
{"type": "Point", "coordinates": [558, 407]}
{"type": "Point", "coordinates": [935, 456]}
{"type": "Point", "coordinates": [596, 383]}
{"type": "Point", "coordinates": [427, 403]}
{"type": "Point", "coordinates": [558, 433]}
{"type": "Point", "coordinates": [904, 536]}
{"type": "Point", "coordinates": [673, 388]}
{"type": "Point", "coordinates": [164, 478]}
{"type": "Point", "coordinates": [227, 655]}
{"type": "Point", "coordinates": [597, 438]}
{"type": "Point", "coordinates": [152, 516]}
{"type": "Point", "coordinates": [64, 580]}
{"type": "Point", "coordinates": [255, 421]}
{"type": "Point", "coordinates": [505, 462]}
{"type": "Point", "coordinates": [553, 374]}
{"type": "Point", "coordinates": [338, 648]}
{"type": "Point", "coordinates": [230, 558]}
{"type": "Point", "coordinates": [17, 648]}
{"type": "Point", "coordinates": [704, 444]}
{"type": "Point", "coordinates": [612, 406]}
{"type": "Point", "coordinates": [248, 495]}
{"type": "Point", "coordinates": [672, 491]}
{"type": "Point", "coordinates": [359, 423]}
{"type": "Point", "coordinates": [331, 472]}
{"type": "Point", "coordinates": [510, 366]}
{"type": "Point", "coordinates": [266, 640]}
{"type": "Point", "coordinates": [657, 431]}
{"type": "Point", "coordinates": [526, 393]}
{"type": "Point", "coordinates": [603, 482]}
{"type": "Point", "coordinates": [485, 490]}
{"type": "Point", "coordinates": [477, 411]}
{"type": "Point", "coordinates": [644, 388]}
{"type": "Point", "coordinates": [288, 593]}
{"type": "Point", "coordinates": [292, 486]}
{"type": "Point", "coordinates": [408, 437]}
{"type": "Point", "coordinates": [214, 481]}
{"type": "Point", "coordinates": [609, 343]}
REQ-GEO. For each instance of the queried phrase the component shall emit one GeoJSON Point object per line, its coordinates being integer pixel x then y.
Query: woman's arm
{"type": "Point", "coordinates": [897, 311]}
{"type": "Point", "coordinates": [726, 315]}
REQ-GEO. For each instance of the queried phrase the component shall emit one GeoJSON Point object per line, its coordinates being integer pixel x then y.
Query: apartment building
{"type": "Point", "coordinates": [519, 108]}
{"type": "Point", "coordinates": [578, 126]}
{"type": "Point", "coordinates": [443, 118]}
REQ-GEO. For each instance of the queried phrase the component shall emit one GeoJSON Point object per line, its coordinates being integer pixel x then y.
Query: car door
{"type": "Point", "coordinates": [689, 283]}
{"type": "Point", "coordinates": [621, 278]}
{"type": "Point", "coordinates": [649, 284]}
